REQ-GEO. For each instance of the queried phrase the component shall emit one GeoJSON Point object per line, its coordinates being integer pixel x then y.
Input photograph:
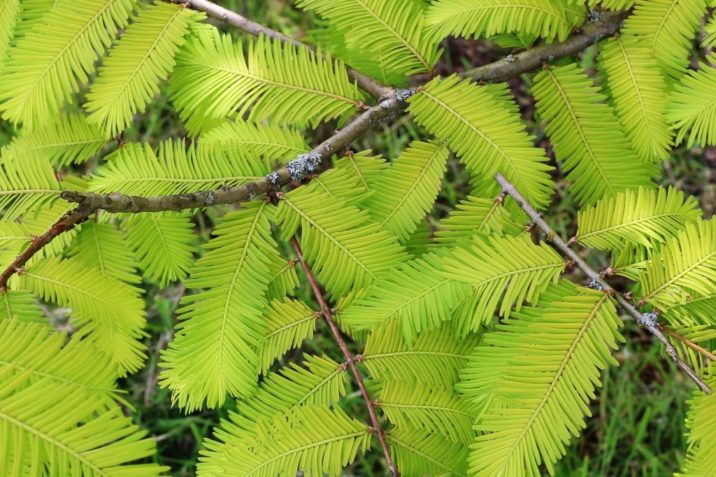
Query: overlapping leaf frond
{"type": "Point", "coordinates": [683, 269]}
{"type": "Point", "coordinates": [587, 136]}
{"type": "Point", "coordinates": [26, 185]}
{"type": "Point", "coordinates": [639, 93]}
{"type": "Point", "coordinates": [44, 70]}
{"type": "Point", "coordinates": [700, 310]}
{"type": "Point", "coordinates": [57, 413]}
{"type": "Point", "coordinates": [701, 423]}
{"type": "Point", "coordinates": [20, 306]}
{"type": "Point", "coordinates": [34, 223]}
{"type": "Point", "coordinates": [435, 409]}
{"type": "Point", "coordinates": [102, 246]}
{"type": "Point", "coordinates": [366, 167]}
{"type": "Point", "coordinates": [344, 248]}
{"type": "Point", "coordinates": [417, 452]}
{"type": "Point", "coordinates": [478, 123]}
{"type": "Point", "coordinates": [256, 140]}
{"type": "Point", "coordinates": [289, 322]}
{"type": "Point", "coordinates": [144, 55]}
{"type": "Point", "coordinates": [109, 311]}
{"type": "Point", "coordinates": [435, 357]}
{"type": "Point", "coordinates": [215, 78]}
{"type": "Point", "coordinates": [163, 244]}
{"type": "Point", "coordinates": [312, 439]}
{"type": "Point", "coordinates": [555, 352]}
{"type": "Point", "coordinates": [284, 279]}
{"type": "Point", "coordinates": [503, 273]}
{"type": "Point", "coordinates": [644, 217]}
{"type": "Point", "coordinates": [668, 27]}
{"type": "Point", "coordinates": [136, 170]}
{"type": "Point", "coordinates": [341, 184]}
{"type": "Point", "coordinates": [473, 216]}
{"type": "Point", "coordinates": [407, 191]}
{"type": "Point", "coordinates": [692, 107]}
{"type": "Point", "coordinates": [9, 13]}
{"type": "Point", "coordinates": [550, 19]}
{"type": "Point", "coordinates": [414, 296]}
{"type": "Point", "coordinates": [613, 4]}
{"type": "Point", "coordinates": [69, 140]}
{"type": "Point", "coordinates": [215, 349]}
{"type": "Point", "coordinates": [393, 31]}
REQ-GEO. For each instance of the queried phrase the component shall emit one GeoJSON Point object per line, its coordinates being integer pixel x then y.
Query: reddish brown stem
{"type": "Point", "coordinates": [702, 351]}
{"type": "Point", "coordinates": [65, 223]}
{"type": "Point", "coordinates": [350, 359]}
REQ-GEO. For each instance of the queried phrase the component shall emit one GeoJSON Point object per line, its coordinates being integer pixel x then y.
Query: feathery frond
{"type": "Point", "coordinates": [256, 140]}
{"type": "Point", "coordinates": [341, 184]}
{"type": "Point", "coordinates": [587, 136]}
{"type": "Point", "coordinates": [313, 439]}
{"type": "Point", "coordinates": [478, 124]}
{"type": "Point", "coordinates": [163, 245]}
{"type": "Point", "coordinates": [407, 191]}
{"type": "Point", "coordinates": [414, 296]}
{"type": "Point", "coordinates": [284, 279]}
{"type": "Point", "coordinates": [44, 70]}
{"type": "Point", "coordinates": [700, 310]}
{"type": "Point", "coordinates": [550, 19]}
{"type": "Point", "coordinates": [393, 31]}
{"type": "Point", "coordinates": [420, 453]}
{"type": "Point", "coordinates": [102, 246]}
{"type": "Point", "coordinates": [344, 248]}
{"type": "Point", "coordinates": [473, 216]}
{"type": "Point", "coordinates": [9, 13]}
{"type": "Point", "coordinates": [683, 269]}
{"type": "Point", "coordinates": [26, 184]}
{"type": "Point", "coordinates": [668, 27]}
{"type": "Point", "coordinates": [289, 322]}
{"type": "Point", "coordinates": [215, 78]}
{"type": "Point", "coordinates": [144, 55]}
{"type": "Point", "coordinates": [555, 352]}
{"type": "Point", "coordinates": [503, 272]}
{"type": "Point", "coordinates": [214, 351]}
{"type": "Point", "coordinates": [701, 422]}
{"type": "Point", "coordinates": [435, 357]}
{"type": "Point", "coordinates": [136, 170]}
{"type": "Point", "coordinates": [367, 168]}
{"type": "Point", "coordinates": [692, 107]}
{"type": "Point", "coordinates": [639, 93]}
{"type": "Point", "coordinates": [643, 217]}
{"type": "Point", "coordinates": [20, 306]}
{"type": "Point", "coordinates": [435, 409]}
{"type": "Point", "coordinates": [109, 311]}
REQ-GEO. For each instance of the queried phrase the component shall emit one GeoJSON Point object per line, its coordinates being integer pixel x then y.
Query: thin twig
{"type": "Point", "coordinates": [644, 319]}
{"type": "Point", "coordinates": [65, 223]}
{"type": "Point", "coordinates": [702, 351]}
{"type": "Point", "coordinates": [232, 18]}
{"type": "Point", "coordinates": [350, 359]}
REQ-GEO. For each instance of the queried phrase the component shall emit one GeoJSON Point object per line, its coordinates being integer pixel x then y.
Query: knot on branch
{"type": "Point", "coordinates": [648, 320]}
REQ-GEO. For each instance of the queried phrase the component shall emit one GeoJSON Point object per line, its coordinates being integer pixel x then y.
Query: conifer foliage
{"type": "Point", "coordinates": [459, 333]}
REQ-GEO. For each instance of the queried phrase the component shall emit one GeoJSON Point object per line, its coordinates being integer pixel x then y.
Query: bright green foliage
{"type": "Point", "coordinates": [294, 442]}
{"type": "Point", "coordinates": [163, 245]}
{"type": "Point", "coordinates": [136, 170]}
{"type": "Point", "coordinates": [214, 77]}
{"type": "Point", "coordinates": [8, 18]}
{"type": "Point", "coordinates": [406, 192]}
{"type": "Point", "coordinates": [418, 452]}
{"type": "Point", "coordinates": [638, 90]}
{"type": "Point", "coordinates": [701, 457]}
{"type": "Point", "coordinates": [366, 168]}
{"type": "Point", "coordinates": [709, 39]}
{"type": "Point", "coordinates": [392, 31]}
{"type": "Point", "coordinates": [474, 216]}
{"type": "Point", "coordinates": [214, 352]}
{"type": "Point", "coordinates": [70, 140]}
{"type": "Point", "coordinates": [289, 322]}
{"type": "Point", "coordinates": [102, 246]}
{"type": "Point", "coordinates": [550, 19]}
{"type": "Point", "coordinates": [478, 124]}
{"type": "Point", "coordinates": [586, 135]}
{"type": "Point", "coordinates": [44, 70]}
{"type": "Point", "coordinates": [667, 28]}
{"type": "Point", "coordinates": [20, 306]}
{"type": "Point", "coordinates": [683, 268]}
{"type": "Point", "coordinates": [644, 216]}
{"type": "Point", "coordinates": [284, 279]}
{"type": "Point", "coordinates": [613, 4]}
{"type": "Point", "coordinates": [127, 81]}
{"type": "Point", "coordinates": [29, 184]}
{"type": "Point", "coordinates": [692, 111]}
{"type": "Point", "coordinates": [109, 311]}
{"type": "Point", "coordinates": [43, 427]}
{"type": "Point", "coordinates": [503, 272]}
{"type": "Point", "coordinates": [256, 140]}
{"type": "Point", "coordinates": [343, 247]}
{"type": "Point", "coordinates": [699, 310]}
{"type": "Point", "coordinates": [555, 353]}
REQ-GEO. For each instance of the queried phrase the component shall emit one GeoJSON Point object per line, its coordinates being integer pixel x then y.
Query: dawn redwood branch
{"type": "Point", "coordinates": [65, 223]}
{"type": "Point", "coordinates": [232, 18]}
{"type": "Point", "coordinates": [350, 359]}
{"type": "Point", "coordinates": [646, 320]}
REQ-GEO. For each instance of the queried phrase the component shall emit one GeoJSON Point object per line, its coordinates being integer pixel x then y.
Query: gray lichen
{"type": "Point", "coordinates": [648, 319]}
{"type": "Point", "coordinates": [274, 178]}
{"type": "Point", "coordinates": [404, 94]}
{"type": "Point", "coordinates": [303, 164]}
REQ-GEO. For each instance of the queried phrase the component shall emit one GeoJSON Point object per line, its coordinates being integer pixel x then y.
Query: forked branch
{"type": "Point", "coordinates": [647, 320]}
{"type": "Point", "coordinates": [350, 359]}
